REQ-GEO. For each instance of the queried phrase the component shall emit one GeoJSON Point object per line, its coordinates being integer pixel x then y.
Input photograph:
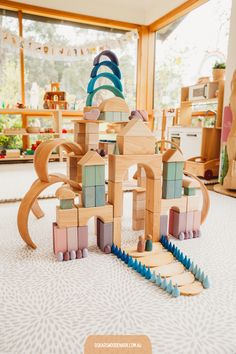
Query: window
{"type": "Point", "coordinates": [187, 49]}
{"type": "Point", "coordinates": [73, 74]}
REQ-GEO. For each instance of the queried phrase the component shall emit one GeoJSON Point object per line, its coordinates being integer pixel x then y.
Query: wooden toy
{"type": "Point", "coordinates": [170, 269]}
{"type": "Point", "coordinates": [154, 261]}
{"type": "Point", "coordinates": [72, 238]}
{"type": "Point", "coordinates": [55, 99]}
{"type": "Point", "coordinates": [92, 115]}
{"type": "Point", "coordinates": [173, 164]}
{"type": "Point", "coordinates": [194, 288]}
{"type": "Point", "coordinates": [141, 244]}
{"type": "Point", "coordinates": [139, 114]}
{"type": "Point", "coordinates": [66, 217]}
{"type": "Point", "coordinates": [138, 214]}
{"type": "Point", "coordinates": [66, 197]}
{"type": "Point", "coordinates": [148, 245]}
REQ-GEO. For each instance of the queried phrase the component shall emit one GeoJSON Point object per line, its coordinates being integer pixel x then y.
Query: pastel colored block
{"type": "Point", "coordinates": [72, 239]}
{"type": "Point", "coordinates": [106, 234]}
{"type": "Point", "coordinates": [82, 233]}
{"type": "Point", "coordinates": [124, 116]}
{"type": "Point", "coordinates": [88, 176]}
{"type": "Point", "coordinates": [190, 191]}
{"type": "Point", "coordinates": [59, 239]}
{"type": "Point", "coordinates": [169, 171]}
{"type": "Point", "coordinates": [66, 203]}
{"type": "Point", "coordinates": [179, 223]}
{"type": "Point", "coordinates": [178, 188]}
{"type": "Point", "coordinates": [107, 116]}
{"type": "Point", "coordinates": [98, 221]}
{"type": "Point", "coordinates": [89, 197]}
{"type": "Point", "coordinates": [193, 203]}
{"type": "Point", "coordinates": [164, 225]}
{"type": "Point", "coordinates": [99, 195]}
{"type": "Point", "coordinates": [179, 167]}
{"type": "Point", "coordinates": [196, 219]}
{"type": "Point", "coordinates": [189, 220]}
{"type": "Point", "coordinates": [171, 221]}
{"type": "Point", "coordinates": [168, 189]}
{"type": "Point", "coordinates": [99, 175]}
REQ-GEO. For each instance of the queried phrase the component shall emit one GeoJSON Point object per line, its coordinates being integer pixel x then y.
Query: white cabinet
{"type": "Point", "coordinates": [188, 139]}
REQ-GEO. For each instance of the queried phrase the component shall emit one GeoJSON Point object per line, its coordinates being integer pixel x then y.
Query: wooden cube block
{"type": "Point", "coordinates": [136, 145]}
{"type": "Point", "coordinates": [138, 214]}
{"type": "Point", "coordinates": [179, 167]}
{"type": "Point", "coordinates": [89, 147]}
{"type": "Point", "coordinates": [99, 175]}
{"type": "Point", "coordinates": [107, 116]}
{"type": "Point", "coordinates": [179, 223]}
{"type": "Point", "coordinates": [89, 176]}
{"type": "Point", "coordinates": [104, 212]}
{"type": "Point", "coordinates": [193, 203]}
{"type": "Point", "coordinates": [80, 139]}
{"type": "Point", "coordinates": [89, 197]}
{"type": "Point", "coordinates": [72, 167]}
{"type": "Point", "coordinates": [171, 221]}
{"type": "Point", "coordinates": [66, 203]}
{"type": "Point", "coordinates": [91, 138]}
{"type": "Point", "coordinates": [139, 194]}
{"type": "Point", "coordinates": [67, 217]}
{"type": "Point", "coordinates": [106, 234]}
{"type": "Point", "coordinates": [178, 188]}
{"type": "Point", "coordinates": [59, 239]}
{"type": "Point", "coordinates": [168, 189]}
{"type": "Point", "coordinates": [153, 195]}
{"type": "Point", "coordinates": [169, 171]}
{"type": "Point", "coordinates": [189, 220]}
{"type": "Point", "coordinates": [152, 225]}
{"type": "Point", "coordinates": [138, 224]}
{"type": "Point", "coordinates": [100, 195]}
{"type": "Point", "coordinates": [117, 231]}
{"type": "Point", "coordinates": [115, 197]}
{"type": "Point", "coordinates": [92, 128]}
{"type": "Point", "coordinates": [139, 204]}
{"type": "Point", "coordinates": [196, 219]}
{"type": "Point", "coordinates": [72, 238]}
{"type": "Point", "coordinates": [82, 233]}
{"type": "Point", "coordinates": [79, 128]}
{"type": "Point", "coordinates": [164, 225]}
{"type": "Point", "coordinates": [179, 204]}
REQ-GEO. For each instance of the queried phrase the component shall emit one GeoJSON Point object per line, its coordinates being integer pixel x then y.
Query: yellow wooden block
{"type": "Point", "coordinates": [153, 195]}
{"type": "Point", "coordinates": [115, 197]}
{"type": "Point", "coordinates": [152, 225]}
{"type": "Point", "coordinates": [105, 213]}
{"type": "Point", "coordinates": [156, 261]}
{"type": "Point", "coordinates": [66, 217]}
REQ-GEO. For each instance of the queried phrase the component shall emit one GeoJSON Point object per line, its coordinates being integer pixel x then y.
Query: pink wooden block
{"type": "Point", "coordinates": [59, 239]}
{"type": "Point", "coordinates": [196, 219]}
{"type": "Point", "coordinates": [72, 239]}
{"type": "Point", "coordinates": [179, 223]}
{"type": "Point", "coordinates": [171, 222]}
{"type": "Point", "coordinates": [82, 232]}
{"type": "Point", "coordinates": [189, 220]}
{"type": "Point", "coordinates": [164, 225]}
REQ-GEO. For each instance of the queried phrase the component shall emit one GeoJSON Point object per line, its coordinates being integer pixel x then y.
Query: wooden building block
{"type": "Point", "coordinates": [178, 188]}
{"type": "Point", "coordinates": [80, 138]}
{"type": "Point", "coordinates": [114, 104]}
{"type": "Point", "coordinates": [138, 214]}
{"type": "Point", "coordinates": [193, 203]}
{"type": "Point", "coordinates": [89, 197]}
{"type": "Point", "coordinates": [91, 147]}
{"type": "Point", "coordinates": [105, 213]}
{"type": "Point", "coordinates": [97, 224]}
{"type": "Point", "coordinates": [179, 167]}
{"type": "Point", "coordinates": [82, 233]}
{"type": "Point", "coordinates": [153, 195]}
{"type": "Point", "coordinates": [139, 204]}
{"type": "Point", "coordinates": [91, 138]}
{"type": "Point", "coordinates": [100, 195]}
{"type": "Point", "coordinates": [66, 203]}
{"type": "Point", "coordinates": [179, 223]}
{"type": "Point", "coordinates": [115, 197]}
{"type": "Point", "coordinates": [169, 171]}
{"type": "Point", "coordinates": [168, 189]}
{"type": "Point", "coordinates": [191, 289]}
{"type": "Point", "coordinates": [189, 191]}
{"type": "Point", "coordinates": [152, 225]}
{"type": "Point", "coordinates": [179, 204]}
{"type": "Point", "coordinates": [170, 270]}
{"type": "Point", "coordinates": [72, 239]}
{"type": "Point", "coordinates": [189, 220]}
{"type": "Point", "coordinates": [106, 234]}
{"type": "Point", "coordinates": [138, 224]}
{"type": "Point", "coordinates": [182, 279]}
{"type": "Point", "coordinates": [152, 261]}
{"type": "Point", "coordinates": [72, 162]}
{"type": "Point", "coordinates": [171, 221]}
{"type": "Point", "coordinates": [59, 239]}
{"type": "Point", "coordinates": [67, 217]}
{"type": "Point", "coordinates": [117, 231]}
{"type": "Point", "coordinates": [92, 128]}
{"type": "Point", "coordinates": [136, 145]}
{"type": "Point", "coordinates": [139, 194]}
{"type": "Point", "coordinates": [100, 175]}
{"type": "Point", "coordinates": [196, 219]}
{"type": "Point", "coordinates": [164, 225]}
{"type": "Point", "coordinates": [88, 176]}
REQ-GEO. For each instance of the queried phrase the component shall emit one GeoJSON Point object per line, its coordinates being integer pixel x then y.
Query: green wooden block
{"type": "Point", "coordinates": [190, 191]}
{"type": "Point", "coordinates": [169, 171]}
{"type": "Point", "coordinates": [66, 203]}
{"type": "Point", "coordinates": [168, 189]}
{"type": "Point", "coordinates": [124, 117]}
{"type": "Point", "coordinates": [179, 167]}
{"type": "Point", "coordinates": [100, 195]}
{"type": "Point", "coordinates": [106, 116]}
{"type": "Point", "coordinates": [117, 116]}
{"type": "Point", "coordinates": [89, 176]}
{"type": "Point", "coordinates": [178, 188]}
{"type": "Point", "coordinates": [88, 197]}
{"type": "Point", "coordinates": [100, 175]}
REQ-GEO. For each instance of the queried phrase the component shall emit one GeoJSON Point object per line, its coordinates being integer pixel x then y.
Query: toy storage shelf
{"type": "Point", "coordinates": [28, 157]}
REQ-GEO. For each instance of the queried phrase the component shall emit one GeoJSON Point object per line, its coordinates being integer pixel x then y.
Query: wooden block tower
{"type": "Point", "coordinates": [138, 216]}
{"type": "Point", "coordinates": [86, 134]}
{"type": "Point", "coordinates": [173, 164]}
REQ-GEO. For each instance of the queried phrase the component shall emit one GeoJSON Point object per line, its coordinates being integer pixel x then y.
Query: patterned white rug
{"type": "Point", "coordinates": [51, 307]}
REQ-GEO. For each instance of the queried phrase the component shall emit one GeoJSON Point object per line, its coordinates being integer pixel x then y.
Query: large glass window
{"type": "Point", "coordinates": [73, 74]}
{"type": "Point", "coordinates": [187, 49]}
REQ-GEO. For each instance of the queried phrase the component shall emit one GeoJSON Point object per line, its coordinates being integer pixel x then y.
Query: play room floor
{"type": "Point", "coordinates": [51, 307]}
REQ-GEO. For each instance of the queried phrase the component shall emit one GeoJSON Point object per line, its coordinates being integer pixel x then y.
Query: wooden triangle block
{"type": "Point", "coordinates": [135, 127]}
{"type": "Point", "coordinates": [91, 158]}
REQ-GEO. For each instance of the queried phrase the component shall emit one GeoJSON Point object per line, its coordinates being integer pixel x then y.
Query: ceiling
{"type": "Point", "coordinates": [135, 11]}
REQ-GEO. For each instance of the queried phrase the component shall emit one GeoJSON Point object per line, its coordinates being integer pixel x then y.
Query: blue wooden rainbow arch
{"type": "Point", "coordinates": [110, 88]}
{"type": "Point", "coordinates": [114, 68]}
{"type": "Point", "coordinates": [109, 76]}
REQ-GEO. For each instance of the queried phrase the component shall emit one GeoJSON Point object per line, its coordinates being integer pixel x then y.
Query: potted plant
{"type": "Point", "coordinates": [218, 71]}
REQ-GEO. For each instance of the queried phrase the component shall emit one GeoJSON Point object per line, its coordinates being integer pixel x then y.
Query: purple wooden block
{"type": "Point", "coordinates": [171, 222]}
{"type": "Point", "coordinates": [59, 239]}
{"type": "Point", "coordinates": [106, 234]}
{"type": "Point", "coordinates": [189, 220]}
{"type": "Point", "coordinates": [82, 237]}
{"type": "Point", "coordinates": [72, 238]}
{"type": "Point", "coordinates": [164, 225]}
{"type": "Point", "coordinates": [98, 231]}
{"type": "Point", "coordinates": [196, 219]}
{"type": "Point", "coordinates": [179, 223]}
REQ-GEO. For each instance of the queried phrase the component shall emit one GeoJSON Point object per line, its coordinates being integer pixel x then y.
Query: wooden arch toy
{"type": "Point", "coordinates": [114, 90]}
{"type": "Point", "coordinates": [107, 53]}
{"type": "Point", "coordinates": [109, 64]}
{"type": "Point", "coordinates": [115, 80]}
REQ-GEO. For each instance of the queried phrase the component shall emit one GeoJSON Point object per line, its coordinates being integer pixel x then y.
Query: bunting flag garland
{"type": "Point", "coordinates": [48, 50]}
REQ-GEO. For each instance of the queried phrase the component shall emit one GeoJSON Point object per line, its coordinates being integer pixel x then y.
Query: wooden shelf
{"type": "Point", "coordinates": [27, 134]}
{"type": "Point", "coordinates": [26, 158]}
{"type": "Point", "coordinates": [203, 101]}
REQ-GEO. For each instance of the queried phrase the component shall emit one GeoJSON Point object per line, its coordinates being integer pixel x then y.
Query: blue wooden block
{"type": "Point", "coordinates": [153, 277]}
{"type": "Point", "coordinates": [112, 248]}
{"type": "Point", "coordinates": [135, 265]}
{"type": "Point", "coordinates": [179, 167]}
{"type": "Point", "coordinates": [168, 189]}
{"type": "Point", "coordinates": [178, 188]}
{"type": "Point", "coordinates": [131, 262]}
{"type": "Point", "coordinates": [88, 197]}
{"type": "Point", "coordinates": [175, 292]}
{"type": "Point", "coordinates": [164, 284]}
{"type": "Point", "coordinates": [170, 287]}
{"type": "Point", "coordinates": [123, 256]}
{"type": "Point", "coordinates": [88, 176]}
{"type": "Point", "coordinates": [119, 254]}
{"type": "Point", "coordinates": [139, 268]}
{"type": "Point", "coordinates": [100, 175]}
{"type": "Point", "coordinates": [158, 280]}
{"type": "Point", "coordinates": [116, 250]}
{"type": "Point", "coordinates": [143, 270]}
{"type": "Point", "coordinates": [99, 195]}
{"type": "Point", "coordinates": [148, 274]}
{"type": "Point", "coordinates": [169, 171]}
{"type": "Point", "coordinates": [127, 259]}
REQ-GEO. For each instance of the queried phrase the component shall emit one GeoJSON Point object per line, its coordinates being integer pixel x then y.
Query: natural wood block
{"type": "Point", "coordinates": [100, 175]}
{"type": "Point", "coordinates": [117, 231]}
{"type": "Point", "coordinates": [191, 289]}
{"type": "Point", "coordinates": [156, 249]}
{"type": "Point", "coordinates": [67, 217]}
{"type": "Point", "coordinates": [142, 182]}
{"type": "Point", "coordinates": [188, 182]}
{"type": "Point", "coordinates": [170, 270]}
{"type": "Point", "coordinates": [72, 162]}
{"type": "Point", "coordinates": [138, 224]}
{"type": "Point", "coordinates": [172, 155]}
{"type": "Point", "coordinates": [154, 261]}
{"type": "Point", "coordinates": [100, 195]}
{"type": "Point", "coordinates": [139, 204]}
{"type": "Point", "coordinates": [115, 197]}
{"type": "Point", "coordinates": [171, 221]}
{"type": "Point", "coordinates": [164, 225]}
{"type": "Point", "coordinates": [193, 203]}
{"type": "Point", "coordinates": [59, 239]}
{"type": "Point", "coordinates": [91, 147]}
{"type": "Point", "coordinates": [153, 195]}
{"type": "Point", "coordinates": [179, 204]}
{"type": "Point", "coordinates": [189, 220]}
{"type": "Point", "coordinates": [89, 199]}
{"type": "Point", "coordinates": [139, 194]}
{"type": "Point", "coordinates": [196, 219]}
{"type": "Point", "coordinates": [72, 239]}
{"type": "Point", "coordinates": [105, 213]}
{"type": "Point", "coordinates": [91, 138]}
{"type": "Point", "coordinates": [118, 164]}
{"type": "Point", "coordinates": [88, 176]}
{"type": "Point", "coordinates": [114, 104]}
{"type": "Point", "coordinates": [152, 225]}
{"type": "Point", "coordinates": [182, 279]}
{"type": "Point", "coordinates": [138, 214]}
{"type": "Point", "coordinates": [80, 138]}
{"type": "Point", "coordinates": [135, 145]}
{"type": "Point", "coordinates": [82, 233]}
